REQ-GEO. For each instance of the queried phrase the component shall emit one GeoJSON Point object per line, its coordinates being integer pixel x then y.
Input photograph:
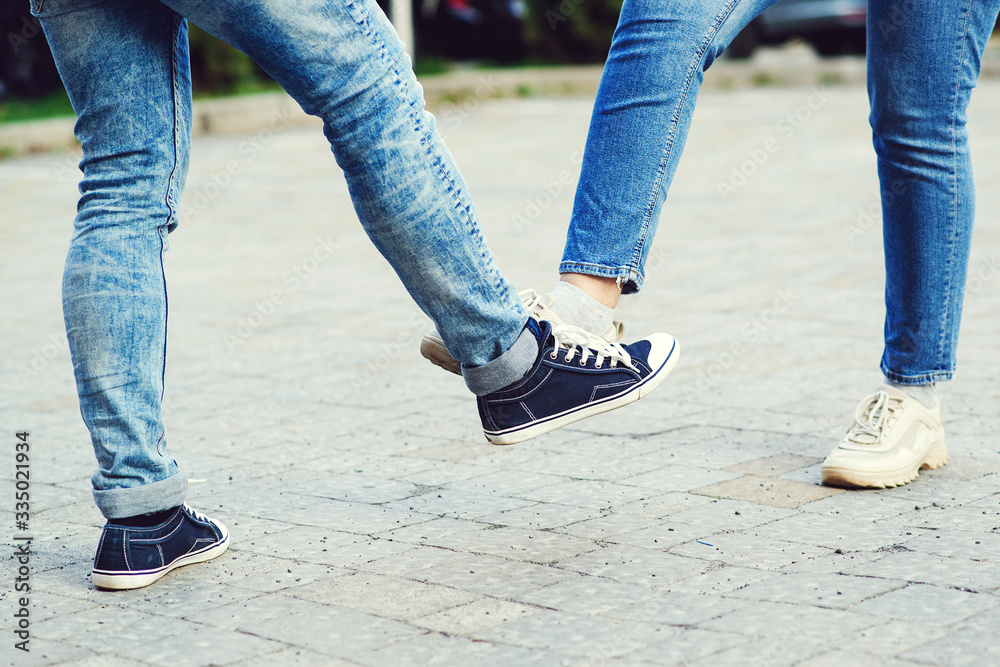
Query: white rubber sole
{"type": "Point", "coordinates": [120, 581]}
{"type": "Point", "coordinates": [433, 350]}
{"type": "Point", "coordinates": [935, 457]}
{"type": "Point", "coordinates": [512, 436]}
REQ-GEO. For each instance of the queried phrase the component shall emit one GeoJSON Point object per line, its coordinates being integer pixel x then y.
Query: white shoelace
{"type": "Point", "coordinates": [574, 339]}
{"type": "Point", "coordinates": [536, 304]}
{"type": "Point", "coordinates": [872, 416]}
{"type": "Point", "coordinates": [195, 513]}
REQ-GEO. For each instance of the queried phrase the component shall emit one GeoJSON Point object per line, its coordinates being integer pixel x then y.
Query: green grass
{"type": "Point", "coordinates": [51, 106]}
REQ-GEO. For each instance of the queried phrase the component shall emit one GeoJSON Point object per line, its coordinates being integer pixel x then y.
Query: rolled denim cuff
{"type": "Point", "coordinates": [155, 497]}
{"type": "Point", "coordinates": [506, 369]}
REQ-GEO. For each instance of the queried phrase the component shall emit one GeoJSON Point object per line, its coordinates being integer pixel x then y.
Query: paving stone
{"type": "Point", "coordinates": [922, 603]}
{"type": "Point", "coordinates": [772, 466]}
{"type": "Point", "coordinates": [745, 550]}
{"type": "Point", "coordinates": [541, 516]}
{"type": "Point", "coordinates": [634, 565]}
{"type": "Point", "coordinates": [581, 635]}
{"type": "Point", "coordinates": [767, 490]}
{"type": "Point", "coordinates": [913, 567]}
{"type": "Point", "coordinates": [835, 591]}
{"type": "Point", "coordinates": [965, 647]}
{"type": "Point", "coordinates": [383, 595]}
{"type": "Point", "coordinates": [586, 595]}
{"type": "Point", "coordinates": [892, 638]}
{"type": "Point", "coordinates": [309, 436]}
{"type": "Point", "coordinates": [478, 615]}
{"type": "Point", "coordinates": [489, 575]}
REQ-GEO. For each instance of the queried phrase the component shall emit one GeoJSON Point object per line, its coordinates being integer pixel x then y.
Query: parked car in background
{"type": "Point", "coordinates": [26, 66]}
{"type": "Point", "coordinates": [833, 27]}
{"type": "Point", "coordinates": [468, 29]}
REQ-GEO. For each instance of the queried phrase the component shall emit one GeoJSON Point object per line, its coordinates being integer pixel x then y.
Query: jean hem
{"type": "Point", "coordinates": [506, 369]}
{"type": "Point", "coordinates": [916, 380]}
{"type": "Point", "coordinates": [153, 497]}
{"type": "Point", "coordinates": [628, 278]}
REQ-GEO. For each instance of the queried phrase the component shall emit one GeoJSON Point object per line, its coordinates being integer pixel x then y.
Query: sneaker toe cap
{"type": "Point", "coordinates": [661, 348]}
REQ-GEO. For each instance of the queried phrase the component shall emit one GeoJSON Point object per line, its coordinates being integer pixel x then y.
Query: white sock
{"type": "Point", "coordinates": [576, 307]}
{"type": "Point", "coordinates": [922, 393]}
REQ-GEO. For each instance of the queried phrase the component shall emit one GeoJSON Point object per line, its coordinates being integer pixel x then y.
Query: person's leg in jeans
{"type": "Point", "coordinates": [923, 62]}
{"type": "Point", "coordinates": [124, 63]}
{"type": "Point", "coordinates": [638, 129]}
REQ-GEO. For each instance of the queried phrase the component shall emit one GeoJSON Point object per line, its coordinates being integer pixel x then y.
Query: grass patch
{"type": "Point", "coordinates": [15, 110]}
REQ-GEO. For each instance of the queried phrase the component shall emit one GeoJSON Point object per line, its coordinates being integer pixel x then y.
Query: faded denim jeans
{"type": "Point", "coordinates": [125, 65]}
{"type": "Point", "coordinates": [923, 61]}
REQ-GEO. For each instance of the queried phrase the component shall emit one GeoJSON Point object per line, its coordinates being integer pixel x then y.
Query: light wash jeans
{"type": "Point", "coordinates": [923, 61]}
{"type": "Point", "coordinates": [125, 66]}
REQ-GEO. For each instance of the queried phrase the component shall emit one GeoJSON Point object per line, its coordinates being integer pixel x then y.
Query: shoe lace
{"type": "Point", "coordinates": [574, 339]}
{"type": "Point", "coordinates": [871, 418]}
{"type": "Point", "coordinates": [536, 304]}
{"type": "Point", "coordinates": [195, 513]}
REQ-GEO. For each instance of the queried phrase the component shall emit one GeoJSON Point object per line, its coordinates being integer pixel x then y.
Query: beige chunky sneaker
{"type": "Point", "coordinates": [433, 349]}
{"type": "Point", "coordinates": [891, 439]}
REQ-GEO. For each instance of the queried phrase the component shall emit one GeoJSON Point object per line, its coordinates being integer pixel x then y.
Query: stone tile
{"type": "Point", "coordinates": [833, 532]}
{"type": "Point", "coordinates": [688, 644]}
{"type": "Point", "coordinates": [914, 567]}
{"type": "Point", "coordinates": [206, 645]}
{"type": "Point", "coordinates": [835, 591]}
{"type": "Point", "coordinates": [741, 549]}
{"type": "Point", "coordinates": [541, 516]}
{"type": "Point", "coordinates": [965, 647]}
{"type": "Point", "coordinates": [719, 579]}
{"type": "Point", "coordinates": [646, 567]}
{"type": "Point", "coordinates": [383, 595]}
{"type": "Point", "coordinates": [772, 466]}
{"type": "Point", "coordinates": [677, 608]}
{"type": "Point", "coordinates": [459, 505]}
{"type": "Point", "coordinates": [893, 637]}
{"type": "Point", "coordinates": [590, 494]}
{"type": "Point", "coordinates": [427, 649]}
{"type": "Point", "coordinates": [772, 491]}
{"type": "Point", "coordinates": [678, 477]}
{"type": "Point", "coordinates": [957, 544]}
{"type": "Point", "coordinates": [535, 546]}
{"type": "Point", "coordinates": [586, 595]}
{"type": "Point", "coordinates": [920, 603]}
{"type": "Point", "coordinates": [580, 635]}
{"type": "Point", "coordinates": [479, 615]}
{"type": "Point", "coordinates": [731, 515]}
{"type": "Point", "coordinates": [291, 575]}
{"type": "Point", "coordinates": [792, 624]}
{"type": "Point", "coordinates": [489, 575]}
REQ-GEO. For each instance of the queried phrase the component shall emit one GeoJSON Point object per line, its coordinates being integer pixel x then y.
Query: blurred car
{"type": "Point", "coordinates": [833, 27]}
{"type": "Point", "coordinates": [468, 29]}
{"type": "Point", "coordinates": [26, 66]}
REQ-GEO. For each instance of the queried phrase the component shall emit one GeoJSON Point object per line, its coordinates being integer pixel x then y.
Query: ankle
{"type": "Point", "coordinates": [574, 306]}
{"type": "Point", "coordinates": [605, 291]}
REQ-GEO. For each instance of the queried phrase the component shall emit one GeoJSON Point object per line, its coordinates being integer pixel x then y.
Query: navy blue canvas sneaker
{"type": "Point", "coordinates": [132, 557]}
{"type": "Point", "coordinates": [576, 375]}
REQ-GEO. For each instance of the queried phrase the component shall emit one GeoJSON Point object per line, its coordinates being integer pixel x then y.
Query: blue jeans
{"type": "Point", "coordinates": [126, 68]}
{"type": "Point", "coordinates": [923, 62]}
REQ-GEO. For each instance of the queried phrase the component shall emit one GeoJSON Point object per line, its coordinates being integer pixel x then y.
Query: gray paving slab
{"type": "Point", "coordinates": [370, 522]}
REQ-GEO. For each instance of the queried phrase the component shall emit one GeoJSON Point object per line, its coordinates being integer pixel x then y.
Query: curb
{"type": "Point", "coordinates": [791, 65]}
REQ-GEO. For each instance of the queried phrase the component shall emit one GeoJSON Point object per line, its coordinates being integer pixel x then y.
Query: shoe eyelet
{"type": "Point", "coordinates": [583, 362]}
{"type": "Point", "coordinates": [553, 355]}
{"type": "Point", "coordinates": [598, 365]}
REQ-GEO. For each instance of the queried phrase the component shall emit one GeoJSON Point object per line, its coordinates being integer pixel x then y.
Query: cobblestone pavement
{"type": "Point", "coordinates": [371, 522]}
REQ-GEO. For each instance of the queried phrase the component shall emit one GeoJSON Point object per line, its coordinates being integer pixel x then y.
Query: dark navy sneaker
{"type": "Point", "coordinates": [131, 557]}
{"type": "Point", "coordinates": [576, 375]}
